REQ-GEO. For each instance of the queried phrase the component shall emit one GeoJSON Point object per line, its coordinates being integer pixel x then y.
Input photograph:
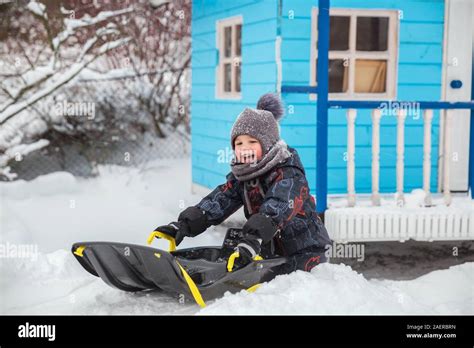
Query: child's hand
{"type": "Point", "coordinates": [175, 230]}
{"type": "Point", "coordinates": [261, 226]}
{"type": "Point", "coordinates": [191, 222]}
{"type": "Point", "coordinates": [248, 248]}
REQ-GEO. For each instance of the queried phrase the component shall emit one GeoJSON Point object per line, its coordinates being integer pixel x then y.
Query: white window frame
{"type": "Point", "coordinates": [233, 59]}
{"type": "Point", "coordinates": [391, 55]}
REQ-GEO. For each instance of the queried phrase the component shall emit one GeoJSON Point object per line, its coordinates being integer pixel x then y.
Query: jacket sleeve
{"type": "Point", "coordinates": [285, 196]}
{"type": "Point", "coordinates": [222, 202]}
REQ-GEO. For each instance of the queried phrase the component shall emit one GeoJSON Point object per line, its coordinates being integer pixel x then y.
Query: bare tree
{"type": "Point", "coordinates": [139, 51]}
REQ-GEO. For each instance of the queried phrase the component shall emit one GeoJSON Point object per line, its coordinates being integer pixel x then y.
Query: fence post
{"type": "Point", "coordinates": [351, 116]}
{"type": "Point", "coordinates": [376, 116]}
{"type": "Point", "coordinates": [471, 153]}
{"type": "Point", "coordinates": [427, 118]}
{"type": "Point", "coordinates": [322, 107]}
{"type": "Point", "coordinates": [447, 157]}
{"type": "Point", "coordinates": [471, 135]}
{"type": "Point", "coordinates": [400, 155]}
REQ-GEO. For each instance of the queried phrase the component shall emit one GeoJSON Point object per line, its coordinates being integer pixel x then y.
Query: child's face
{"type": "Point", "coordinates": [247, 149]}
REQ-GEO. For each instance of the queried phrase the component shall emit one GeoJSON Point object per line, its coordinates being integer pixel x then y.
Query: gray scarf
{"type": "Point", "coordinates": [248, 171]}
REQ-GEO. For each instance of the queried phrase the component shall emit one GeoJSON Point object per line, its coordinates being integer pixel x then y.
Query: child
{"type": "Point", "coordinates": [268, 179]}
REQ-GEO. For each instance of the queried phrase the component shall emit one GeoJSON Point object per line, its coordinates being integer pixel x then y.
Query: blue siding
{"type": "Point", "coordinates": [419, 78]}
{"type": "Point", "coordinates": [212, 118]}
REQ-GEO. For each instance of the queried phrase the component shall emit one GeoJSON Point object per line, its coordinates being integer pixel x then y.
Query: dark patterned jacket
{"type": "Point", "coordinates": [282, 194]}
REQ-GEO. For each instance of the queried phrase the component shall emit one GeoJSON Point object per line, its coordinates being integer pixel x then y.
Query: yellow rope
{"type": "Point", "coordinates": [192, 287]}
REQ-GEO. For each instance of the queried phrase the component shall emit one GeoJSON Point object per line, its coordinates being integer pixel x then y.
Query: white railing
{"type": "Point", "coordinates": [366, 223]}
{"type": "Point", "coordinates": [400, 161]}
{"type": "Point", "coordinates": [349, 224]}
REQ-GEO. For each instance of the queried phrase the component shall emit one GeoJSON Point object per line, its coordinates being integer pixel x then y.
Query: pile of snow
{"type": "Point", "coordinates": [54, 211]}
{"type": "Point", "coordinates": [47, 215]}
{"type": "Point", "coordinates": [121, 204]}
{"type": "Point", "coordinates": [55, 283]}
{"type": "Point", "coordinates": [337, 289]}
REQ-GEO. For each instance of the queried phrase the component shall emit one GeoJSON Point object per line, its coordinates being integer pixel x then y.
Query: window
{"type": "Point", "coordinates": [362, 53]}
{"type": "Point", "coordinates": [229, 45]}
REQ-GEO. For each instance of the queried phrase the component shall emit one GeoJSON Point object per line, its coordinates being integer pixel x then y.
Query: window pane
{"type": "Point", "coordinates": [339, 33]}
{"type": "Point", "coordinates": [238, 39]}
{"type": "Point", "coordinates": [372, 34]}
{"type": "Point", "coordinates": [227, 77]}
{"type": "Point", "coordinates": [370, 76]}
{"type": "Point", "coordinates": [227, 41]}
{"type": "Point", "coordinates": [338, 76]}
{"type": "Point", "coordinates": [237, 77]}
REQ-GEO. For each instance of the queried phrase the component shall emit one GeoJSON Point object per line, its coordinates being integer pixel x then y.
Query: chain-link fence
{"type": "Point", "coordinates": [120, 132]}
{"type": "Point", "coordinates": [82, 161]}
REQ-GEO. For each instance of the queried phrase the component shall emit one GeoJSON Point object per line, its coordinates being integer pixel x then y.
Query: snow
{"type": "Point", "coordinates": [73, 24]}
{"type": "Point", "coordinates": [125, 204]}
{"type": "Point", "coordinates": [413, 201]}
{"type": "Point", "coordinates": [65, 77]}
{"type": "Point", "coordinates": [337, 289]}
{"type": "Point", "coordinates": [40, 73]}
{"type": "Point", "coordinates": [87, 20]}
{"type": "Point", "coordinates": [158, 3]}
{"type": "Point", "coordinates": [22, 150]}
{"type": "Point", "coordinates": [93, 75]}
{"type": "Point", "coordinates": [18, 152]}
{"type": "Point", "coordinates": [37, 8]}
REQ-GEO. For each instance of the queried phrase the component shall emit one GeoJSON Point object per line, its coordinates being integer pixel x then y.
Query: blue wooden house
{"type": "Point", "coordinates": [385, 50]}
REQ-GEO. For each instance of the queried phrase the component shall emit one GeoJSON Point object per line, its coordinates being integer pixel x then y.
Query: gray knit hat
{"type": "Point", "coordinates": [260, 123]}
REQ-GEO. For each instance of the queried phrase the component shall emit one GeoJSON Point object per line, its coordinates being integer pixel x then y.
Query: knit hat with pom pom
{"type": "Point", "coordinates": [260, 123]}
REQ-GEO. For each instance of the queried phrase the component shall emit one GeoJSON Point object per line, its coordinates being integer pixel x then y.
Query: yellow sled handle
{"type": "Point", "coordinates": [233, 256]}
{"type": "Point", "coordinates": [158, 234]}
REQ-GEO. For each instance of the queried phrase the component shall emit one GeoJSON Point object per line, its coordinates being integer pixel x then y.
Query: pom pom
{"type": "Point", "coordinates": [271, 102]}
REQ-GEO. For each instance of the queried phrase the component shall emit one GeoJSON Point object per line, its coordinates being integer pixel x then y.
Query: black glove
{"type": "Point", "coordinates": [261, 226]}
{"type": "Point", "coordinates": [195, 219]}
{"type": "Point", "coordinates": [248, 248]}
{"type": "Point", "coordinates": [191, 222]}
{"type": "Point", "coordinates": [178, 230]}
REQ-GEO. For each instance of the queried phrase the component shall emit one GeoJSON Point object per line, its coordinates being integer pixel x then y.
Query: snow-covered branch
{"type": "Point", "coordinates": [42, 80]}
{"type": "Point", "coordinates": [65, 77]}
{"type": "Point", "coordinates": [73, 24]}
{"type": "Point", "coordinates": [37, 8]}
{"type": "Point", "coordinates": [132, 70]}
{"type": "Point", "coordinates": [32, 78]}
{"type": "Point", "coordinates": [18, 152]}
{"type": "Point", "coordinates": [37, 75]}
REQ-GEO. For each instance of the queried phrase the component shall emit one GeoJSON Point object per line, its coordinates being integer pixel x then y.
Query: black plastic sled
{"type": "Point", "coordinates": [202, 273]}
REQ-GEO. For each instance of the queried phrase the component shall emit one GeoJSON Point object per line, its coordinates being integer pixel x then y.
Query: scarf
{"type": "Point", "coordinates": [248, 171]}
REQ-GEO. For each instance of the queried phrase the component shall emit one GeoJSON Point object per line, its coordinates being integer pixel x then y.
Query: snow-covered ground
{"type": "Point", "coordinates": [52, 212]}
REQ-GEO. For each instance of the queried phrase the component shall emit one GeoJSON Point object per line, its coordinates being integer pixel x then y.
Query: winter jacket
{"type": "Point", "coordinates": [281, 194]}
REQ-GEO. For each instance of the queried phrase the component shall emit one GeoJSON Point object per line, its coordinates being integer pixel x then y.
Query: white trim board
{"type": "Point", "coordinates": [457, 65]}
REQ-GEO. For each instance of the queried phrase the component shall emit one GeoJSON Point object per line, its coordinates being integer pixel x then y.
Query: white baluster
{"type": "Point", "coordinates": [351, 116]}
{"type": "Point", "coordinates": [376, 115]}
{"type": "Point", "coordinates": [447, 157]}
{"type": "Point", "coordinates": [400, 155]}
{"type": "Point", "coordinates": [427, 118]}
